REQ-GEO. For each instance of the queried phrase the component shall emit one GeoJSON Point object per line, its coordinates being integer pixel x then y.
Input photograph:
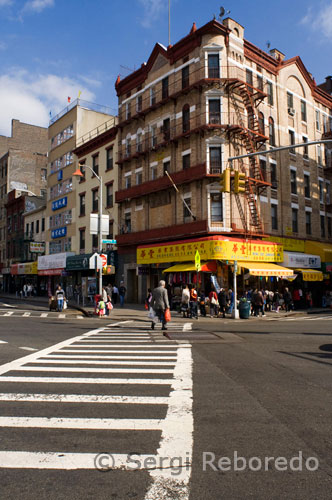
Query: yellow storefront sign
{"type": "Point", "coordinates": [211, 249]}
{"type": "Point", "coordinates": [289, 244]}
{"type": "Point", "coordinates": [31, 268]}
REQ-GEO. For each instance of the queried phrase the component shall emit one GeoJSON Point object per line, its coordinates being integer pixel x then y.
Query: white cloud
{"type": "Point", "coordinates": [30, 98]}
{"type": "Point", "coordinates": [4, 3]}
{"type": "Point", "coordinates": [37, 5]}
{"type": "Point", "coordinates": [152, 10]}
{"type": "Point", "coordinates": [320, 20]}
{"type": "Point", "coordinates": [3, 46]}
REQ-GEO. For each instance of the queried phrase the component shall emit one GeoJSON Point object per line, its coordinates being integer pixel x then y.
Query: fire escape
{"type": "Point", "coordinates": [244, 95]}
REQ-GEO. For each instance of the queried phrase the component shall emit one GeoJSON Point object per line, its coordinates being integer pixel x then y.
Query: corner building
{"type": "Point", "coordinates": [192, 106]}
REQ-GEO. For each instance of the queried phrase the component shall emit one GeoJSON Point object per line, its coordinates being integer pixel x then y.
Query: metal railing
{"type": "Point", "coordinates": [91, 106]}
{"type": "Point", "coordinates": [97, 131]}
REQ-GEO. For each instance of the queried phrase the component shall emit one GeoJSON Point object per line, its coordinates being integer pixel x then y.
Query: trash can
{"type": "Point", "coordinates": [244, 309]}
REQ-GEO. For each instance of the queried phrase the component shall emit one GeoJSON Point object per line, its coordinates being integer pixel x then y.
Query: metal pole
{"type": "Point", "coordinates": [235, 313]}
{"type": "Point", "coordinates": [100, 236]}
{"type": "Point", "coordinates": [169, 22]}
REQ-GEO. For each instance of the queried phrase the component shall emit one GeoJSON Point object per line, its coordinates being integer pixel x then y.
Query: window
{"type": "Point", "coordinates": [43, 174]}
{"type": "Point", "coordinates": [186, 161]}
{"type": "Point", "coordinates": [43, 224]}
{"type": "Point", "coordinates": [262, 165]}
{"type": "Point", "coordinates": [215, 159]}
{"type": "Point", "coordinates": [128, 110]}
{"type": "Point", "coordinates": [295, 227]}
{"type": "Point", "coordinates": [274, 180]}
{"type": "Point", "coordinates": [213, 66]}
{"type": "Point", "coordinates": [308, 222]}
{"type": "Point", "coordinates": [317, 120]}
{"type": "Point", "coordinates": [139, 146]}
{"type": "Point", "coordinates": [139, 177]}
{"type": "Point", "coordinates": [329, 227]}
{"type": "Point", "coordinates": [216, 207]}
{"type": "Point", "coordinates": [260, 82]}
{"type": "Point", "coordinates": [82, 168]}
{"type": "Point", "coordinates": [290, 101]}
{"type": "Point", "coordinates": [186, 209]}
{"type": "Point", "coordinates": [306, 186]}
{"type": "Point", "coordinates": [153, 136]}
{"type": "Point", "coordinates": [166, 166]}
{"type": "Point", "coordinates": [110, 231]}
{"type": "Point", "coordinates": [325, 124]}
{"type": "Point", "coordinates": [249, 80]}
{"type": "Point", "coordinates": [185, 118]}
{"type": "Point", "coordinates": [95, 200]}
{"type": "Point", "coordinates": [322, 226]}
{"type": "Point", "coordinates": [321, 190]}
{"type": "Point", "coordinates": [82, 204]}
{"type": "Point", "coordinates": [303, 111]}
{"type": "Point", "coordinates": [95, 164]}
{"type": "Point", "coordinates": [128, 146]}
{"type": "Point", "coordinates": [152, 96]}
{"type": "Point", "coordinates": [274, 216]}
{"type": "Point", "coordinates": [293, 182]}
{"type": "Point", "coordinates": [127, 221]}
{"type": "Point", "coordinates": [164, 88]}
{"type": "Point", "coordinates": [214, 111]}
{"type": "Point", "coordinates": [95, 243]}
{"type": "Point", "coordinates": [261, 124]}
{"type": "Point", "coordinates": [291, 135]}
{"type": "Point", "coordinates": [109, 158]}
{"type": "Point", "coordinates": [82, 240]}
{"type": "Point", "coordinates": [305, 149]}
{"type": "Point", "coordinates": [319, 154]}
{"type": "Point", "coordinates": [27, 229]}
{"type": "Point", "coordinates": [167, 129]}
{"type": "Point", "coordinates": [327, 194]}
{"type": "Point", "coordinates": [37, 226]}
{"type": "Point", "coordinates": [271, 132]}
{"type": "Point", "coordinates": [109, 195]}
{"type": "Point", "coordinates": [185, 77]}
{"type": "Point", "coordinates": [139, 101]}
{"type": "Point", "coordinates": [270, 93]}
{"type": "Point", "coordinates": [128, 181]}
{"type": "Point", "coordinates": [154, 172]}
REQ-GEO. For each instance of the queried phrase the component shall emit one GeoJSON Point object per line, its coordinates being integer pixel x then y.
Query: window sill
{"type": "Point", "coordinates": [109, 206]}
{"type": "Point", "coordinates": [82, 215]}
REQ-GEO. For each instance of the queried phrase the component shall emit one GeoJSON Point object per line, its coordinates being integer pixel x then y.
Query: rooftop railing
{"type": "Point", "coordinates": [91, 106]}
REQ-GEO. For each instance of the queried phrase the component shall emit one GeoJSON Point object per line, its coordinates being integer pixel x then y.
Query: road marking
{"type": "Point", "coordinates": [28, 348]}
{"type": "Point", "coordinates": [143, 346]}
{"type": "Point", "coordinates": [26, 314]}
{"type": "Point", "coordinates": [122, 351]}
{"type": "Point", "coordinates": [64, 361]}
{"type": "Point", "coordinates": [187, 327]}
{"type": "Point", "coordinates": [82, 356]}
{"type": "Point", "coordinates": [79, 317]}
{"type": "Point", "coordinates": [144, 424]}
{"type": "Point", "coordinates": [44, 315]}
{"type": "Point", "coordinates": [8, 313]}
{"type": "Point", "coordinates": [84, 398]}
{"type": "Point", "coordinates": [3, 342]}
{"type": "Point", "coordinates": [61, 316]}
{"type": "Point", "coordinates": [92, 370]}
{"type": "Point", "coordinates": [81, 380]}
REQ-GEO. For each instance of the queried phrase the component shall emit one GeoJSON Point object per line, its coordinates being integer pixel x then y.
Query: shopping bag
{"type": "Point", "coordinates": [167, 315]}
{"type": "Point", "coordinates": [146, 306]}
{"type": "Point", "coordinates": [109, 306]}
{"type": "Point", "coordinates": [152, 315]}
{"type": "Point", "coordinates": [65, 304]}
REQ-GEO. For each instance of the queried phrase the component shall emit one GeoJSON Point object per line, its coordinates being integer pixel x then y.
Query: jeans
{"type": "Point", "coordinates": [121, 300]}
{"type": "Point", "coordinates": [60, 305]}
{"type": "Point", "coordinates": [231, 307]}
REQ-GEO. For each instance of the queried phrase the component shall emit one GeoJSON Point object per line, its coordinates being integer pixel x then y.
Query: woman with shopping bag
{"type": "Point", "coordinates": [160, 305]}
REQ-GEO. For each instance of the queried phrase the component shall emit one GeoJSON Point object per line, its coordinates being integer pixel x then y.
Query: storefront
{"type": "Point", "coordinates": [52, 272]}
{"type": "Point", "coordinates": [217, 254]}
{"type": "Point", "coordinates": [25, 273]}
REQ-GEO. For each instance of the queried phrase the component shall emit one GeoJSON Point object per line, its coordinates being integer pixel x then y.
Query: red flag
{"type": "Point", "coordinates": [69, 99]}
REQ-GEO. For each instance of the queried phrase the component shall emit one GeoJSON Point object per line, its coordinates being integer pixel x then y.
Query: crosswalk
{"type": "Point", "coordinates": [313, 317]}
{"type": "Point", "coordinates": [20, 313]}
{"type": "Point", "coordinates": [113, 379]}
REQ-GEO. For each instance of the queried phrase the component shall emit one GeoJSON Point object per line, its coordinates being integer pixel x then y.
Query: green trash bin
{"type": "Point", "coordinates": [244, 309]}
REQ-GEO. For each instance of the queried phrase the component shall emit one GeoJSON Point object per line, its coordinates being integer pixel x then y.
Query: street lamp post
{"type": "Point", "coordinates": [100, 216]}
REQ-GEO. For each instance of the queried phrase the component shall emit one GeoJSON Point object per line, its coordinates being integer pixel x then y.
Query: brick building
{"type": "Point", "coordinates": [211, 96]}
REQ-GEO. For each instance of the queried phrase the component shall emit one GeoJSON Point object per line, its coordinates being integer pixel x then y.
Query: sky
{"type": "Point", "coordinates": [52, 49]}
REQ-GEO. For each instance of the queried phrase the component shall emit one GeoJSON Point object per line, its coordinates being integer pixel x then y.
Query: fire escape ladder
{"type": "Point", "coordinates": [241, 212]}
{"type": "Point", "coordinates": [253, 209]}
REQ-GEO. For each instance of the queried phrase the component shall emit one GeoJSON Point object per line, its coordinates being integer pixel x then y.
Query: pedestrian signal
{"type": "Point", "coordinates": [225, 181]}
{"type": "Point", "coordinates": [239, 182]}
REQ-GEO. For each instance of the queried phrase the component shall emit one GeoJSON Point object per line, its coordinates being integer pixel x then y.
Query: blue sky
{"type": "Point", "coordinates": [51, 49]}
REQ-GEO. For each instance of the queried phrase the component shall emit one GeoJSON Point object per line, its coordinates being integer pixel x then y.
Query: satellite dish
{"type": "Point", "coordinates": [222, 12]}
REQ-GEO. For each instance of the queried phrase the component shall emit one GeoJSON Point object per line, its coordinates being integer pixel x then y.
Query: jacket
{"type": "Point", "coordinates": [160, 299]}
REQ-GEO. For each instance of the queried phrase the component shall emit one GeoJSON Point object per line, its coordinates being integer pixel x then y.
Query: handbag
{"type": "Point", "coordinates": [152, 315]}
{"type": "Point", "coordinates": [64, 304]}
{"type": "Point", "coordinates": [146, 306]}
{"type": "Point", "coordinates": [167, 315]}
{"type": "Point", "coordinates": [214, 301]}
{"type": "Point", "coordinates": [109, 306]}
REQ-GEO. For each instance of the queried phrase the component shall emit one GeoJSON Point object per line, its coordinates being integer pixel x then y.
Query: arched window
{"type": "Point", "coordinates": [261, 124]}
{"type": "Point", "coordinates": [271, 132]}
{"type": "Point", "coordinates": [185, 118]}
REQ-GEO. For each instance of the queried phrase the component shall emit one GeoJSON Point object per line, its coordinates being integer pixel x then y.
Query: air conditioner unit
{"type": "Point", "coordinates": [291, 111]}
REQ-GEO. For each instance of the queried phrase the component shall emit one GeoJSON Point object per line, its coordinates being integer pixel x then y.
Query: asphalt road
{"type": "Point", "coordinates": [259, 388]}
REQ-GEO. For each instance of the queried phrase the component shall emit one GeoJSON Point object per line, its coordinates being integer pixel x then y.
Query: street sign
{"type": "Point", "coordinates": [109, 242]}
{"type": "Point", "coordinates": [197, 260]}
{"type": "Point", "coordinates": [103, 259]}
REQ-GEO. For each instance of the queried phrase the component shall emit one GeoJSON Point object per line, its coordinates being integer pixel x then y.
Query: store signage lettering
{"type": "Point", "coordinates": [59, 203]}
{"type": "Point", "coordinates": [59, 233]}
{"type": "Point", "coordinates": [258, 250]}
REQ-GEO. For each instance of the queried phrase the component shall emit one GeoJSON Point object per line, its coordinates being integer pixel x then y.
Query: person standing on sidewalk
{"type": "Point", "coordinates": [60, 297]}
{"type": "Point", "coordinates": [160, 303]}
{"type": "Point", "coordinates": [122, 293]}
{"type": "Point", "coordinates": [115, 293]}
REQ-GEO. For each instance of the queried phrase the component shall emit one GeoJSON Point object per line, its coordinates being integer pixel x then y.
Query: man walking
{"type": "Point", "coordinates": [60, 297]}
{"type": "Point", "coordinates": [223, 299]}
{"type": "Point", "coordinates": [122, 293]}
{"type": "Point", "coordinates": [160, 303]}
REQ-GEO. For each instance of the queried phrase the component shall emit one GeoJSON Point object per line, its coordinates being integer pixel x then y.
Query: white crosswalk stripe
{"type": "Point", "coordinates": [113, 358]}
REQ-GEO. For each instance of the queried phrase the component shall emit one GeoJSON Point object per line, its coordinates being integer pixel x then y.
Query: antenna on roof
{"type": "Point", "coordinates": [268, 44]}
{"type": "Point", "coordinates": [169, 22]}
{"type": "Point", "coordinates": [222, 13]}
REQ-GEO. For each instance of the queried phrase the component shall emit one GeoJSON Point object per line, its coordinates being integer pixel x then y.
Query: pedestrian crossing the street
{"type": "Point", "coordinates": [119, 381]}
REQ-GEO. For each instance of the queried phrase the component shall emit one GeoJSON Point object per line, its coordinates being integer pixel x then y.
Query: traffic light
{"type": "Point", "coordinates": [239, 182]}
{"type": "Point", "coordinates": [225, 181]}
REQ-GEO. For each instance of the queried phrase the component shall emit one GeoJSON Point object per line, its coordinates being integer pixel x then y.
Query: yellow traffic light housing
{"type": "Point", "coordinates": [239, 182]}
{"type": "Point", "coordinates": [225, 181]}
